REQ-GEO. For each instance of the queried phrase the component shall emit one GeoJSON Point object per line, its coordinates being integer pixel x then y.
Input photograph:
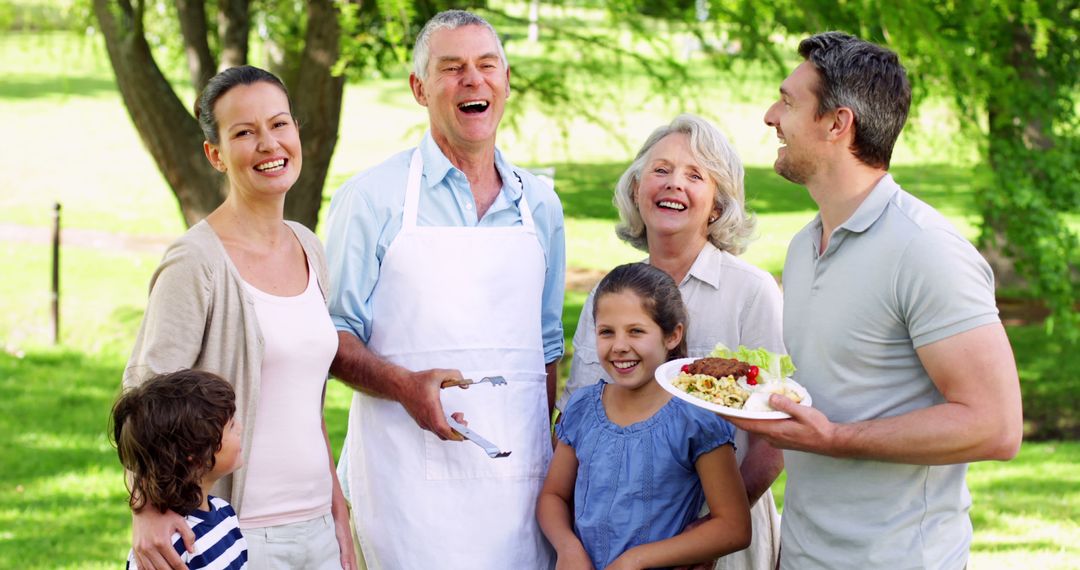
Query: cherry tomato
{"type": "Point", "coordinates": [685, 368]}
{"type": "Point", "coordinates": [753, 373]}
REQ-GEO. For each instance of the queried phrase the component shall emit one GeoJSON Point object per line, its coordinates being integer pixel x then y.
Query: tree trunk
{"type": "Point", "coordinates": [192, 14]}
{"type": "Point", "coordinates": [317, 99]}
{"type": "Point", "coordinates": [234, 26]}
{"type": "Point", "coordinates": [169, 132]}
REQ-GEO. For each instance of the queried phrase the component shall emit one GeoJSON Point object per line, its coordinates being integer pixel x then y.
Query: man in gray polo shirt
{"type": "Point", "coordinates": [889, 315]}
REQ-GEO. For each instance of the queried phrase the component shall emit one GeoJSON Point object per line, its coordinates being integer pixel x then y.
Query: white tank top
{"type": "Point", "coordinates": [288, 476]}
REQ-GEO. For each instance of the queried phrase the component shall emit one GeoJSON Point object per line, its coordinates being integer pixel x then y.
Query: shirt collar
{"type": "Point", "coordinates": [437, 167]}
{"type": "Point", "coordinates": [708, 266]}
{"type": "Point", "coordinates": [873, 206]}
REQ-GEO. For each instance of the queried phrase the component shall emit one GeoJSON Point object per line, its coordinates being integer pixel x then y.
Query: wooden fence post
{"type": "Point", "coordinates": [55, 297]}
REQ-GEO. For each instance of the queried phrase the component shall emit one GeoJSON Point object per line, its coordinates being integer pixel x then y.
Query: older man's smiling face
{"type": "Point", "coordinates": [466, 87]}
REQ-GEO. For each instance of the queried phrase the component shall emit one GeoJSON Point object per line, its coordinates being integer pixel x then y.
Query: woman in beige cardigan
{"type": "Point", "coordinates": [242, 294]}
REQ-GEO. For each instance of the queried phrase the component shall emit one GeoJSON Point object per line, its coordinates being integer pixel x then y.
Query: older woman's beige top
{"type": "Point", "coordinates": [200, 316]}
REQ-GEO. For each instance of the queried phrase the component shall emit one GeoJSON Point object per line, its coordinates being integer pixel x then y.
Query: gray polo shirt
{"type": "Point", "coordinates": [895, 276]}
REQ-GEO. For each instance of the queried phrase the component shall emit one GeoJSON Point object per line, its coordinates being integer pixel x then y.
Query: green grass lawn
{"type": "Point", "coordinates": [62, 498]}
{"type": "Point", "coordinates": [61, 491]}
{"type": "Point", "coordinates": [1026, 513]}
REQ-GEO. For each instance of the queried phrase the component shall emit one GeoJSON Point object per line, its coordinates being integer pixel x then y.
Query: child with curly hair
{"type": "Point", "coordinates": [176, 436]}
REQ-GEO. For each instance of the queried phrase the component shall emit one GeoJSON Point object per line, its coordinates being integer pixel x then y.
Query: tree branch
{"type": "Point", "coordinates": [170, 133]}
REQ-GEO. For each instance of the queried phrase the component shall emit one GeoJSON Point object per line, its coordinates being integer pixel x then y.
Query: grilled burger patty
{"type": "Point", "coordinates": [719, 367]}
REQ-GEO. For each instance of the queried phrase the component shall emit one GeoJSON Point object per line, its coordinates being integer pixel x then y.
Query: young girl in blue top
{"type": "Point", "coordinates": [633, 463]}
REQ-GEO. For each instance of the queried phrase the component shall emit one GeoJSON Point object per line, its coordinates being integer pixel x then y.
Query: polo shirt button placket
{"type": "Point", "coordinates": [821, 265]}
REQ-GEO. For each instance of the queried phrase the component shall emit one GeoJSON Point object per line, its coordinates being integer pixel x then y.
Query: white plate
{"type": "Point", "coordinates": [668, 371]}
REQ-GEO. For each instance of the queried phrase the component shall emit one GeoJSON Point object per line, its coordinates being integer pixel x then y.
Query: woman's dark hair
{"type": "Point", "coordinates": [658, 293]}
{"type": "Point", "coordinates": [167, 432]}
{"type": "Point", "coordinates": [219, 85]}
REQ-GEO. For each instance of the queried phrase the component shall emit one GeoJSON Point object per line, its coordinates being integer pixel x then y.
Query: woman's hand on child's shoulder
{"type": "Point", "coordinates": [573, 559]}
{"type": "Point", "coordinates": [151, 539]}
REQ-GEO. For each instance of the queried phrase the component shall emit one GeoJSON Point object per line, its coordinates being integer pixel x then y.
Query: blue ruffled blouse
{"type": "Point", "coordinates": [636, 484]}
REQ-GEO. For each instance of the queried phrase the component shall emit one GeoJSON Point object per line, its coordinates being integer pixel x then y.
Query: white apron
{"type": "Point", "coordinates": [466, 298]}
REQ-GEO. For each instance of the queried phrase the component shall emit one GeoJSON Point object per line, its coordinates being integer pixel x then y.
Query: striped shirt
{"type": "Point", "coordinates": [219, 545]}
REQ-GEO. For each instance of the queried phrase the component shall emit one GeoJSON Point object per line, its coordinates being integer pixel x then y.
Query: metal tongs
{"type": "Point", "coordinates": [494, 380]}
{"type": "Point", "coordinates": [491, 449]}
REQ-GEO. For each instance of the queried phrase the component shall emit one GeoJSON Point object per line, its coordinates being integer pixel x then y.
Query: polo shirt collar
{"type": "Point", "coordinates": [437, 167]}
{"type": "Point", "coordinates": [873, 206]}
{"type": "Point", "coordinates": [708, 266]}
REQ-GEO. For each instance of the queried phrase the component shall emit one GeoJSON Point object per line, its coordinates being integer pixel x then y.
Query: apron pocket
{"type": "Point", "coordinates": [513, 417]}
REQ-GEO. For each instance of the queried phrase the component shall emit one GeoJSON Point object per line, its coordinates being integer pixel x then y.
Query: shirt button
{"type": "Point", "coordinates": [468, 205]}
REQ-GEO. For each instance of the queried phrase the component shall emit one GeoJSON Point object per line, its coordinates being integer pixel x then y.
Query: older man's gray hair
{"type": "Point", "coordinates": [447, 20]}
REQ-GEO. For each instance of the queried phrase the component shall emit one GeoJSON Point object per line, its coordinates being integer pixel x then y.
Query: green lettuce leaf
{"type": "Point", "coordinates": [774, 366]}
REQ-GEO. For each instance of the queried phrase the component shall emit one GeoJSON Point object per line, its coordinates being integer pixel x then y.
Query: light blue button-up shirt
{"type": "Point", "coordinates": [366, 216]}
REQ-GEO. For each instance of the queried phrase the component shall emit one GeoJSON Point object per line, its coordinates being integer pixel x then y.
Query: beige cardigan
{"type": "Point", "coordinates": [200, 316]}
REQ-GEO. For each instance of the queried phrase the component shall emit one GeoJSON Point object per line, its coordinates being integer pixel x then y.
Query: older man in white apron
{"type": "Point", "coordinates": [465, 282]}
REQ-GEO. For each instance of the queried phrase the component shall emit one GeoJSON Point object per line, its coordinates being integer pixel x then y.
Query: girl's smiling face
{"type": "Point", "coordinates": [628, 341]}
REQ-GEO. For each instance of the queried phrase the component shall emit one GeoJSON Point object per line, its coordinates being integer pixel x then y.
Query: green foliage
{"type": "Point", "coordinates": [43, 15]}
{"type": "Point", "coordinates": [1049, 383]}
{"type": "Point", "coordinates": [1012, 67]}
{"type": "Point", "coordinates": [373, 44]}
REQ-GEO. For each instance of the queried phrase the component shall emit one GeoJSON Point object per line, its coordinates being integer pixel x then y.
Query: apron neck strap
{"type": "Point", "coordinates": [412, 194]}
{"type": "Point", "coordinates": [523, 204]}
{"type": "Point", "coordinates": [412, 190]}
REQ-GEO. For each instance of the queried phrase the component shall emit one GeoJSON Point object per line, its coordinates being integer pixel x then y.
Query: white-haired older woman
{"type": "Point", "coordinates": [681, 201]}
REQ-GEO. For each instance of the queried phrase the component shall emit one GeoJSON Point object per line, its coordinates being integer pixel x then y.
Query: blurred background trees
{"type": "Point", "coordinates": [1009, 66]}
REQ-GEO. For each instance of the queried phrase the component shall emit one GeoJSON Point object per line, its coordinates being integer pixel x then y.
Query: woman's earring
{"type": "Point", "coordinates": [713, 219]}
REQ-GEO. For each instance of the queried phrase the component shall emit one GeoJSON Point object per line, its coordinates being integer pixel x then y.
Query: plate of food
{"type": "Point", "coordinates": [733, 383]}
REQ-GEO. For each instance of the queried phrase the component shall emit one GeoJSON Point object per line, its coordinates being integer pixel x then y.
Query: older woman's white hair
{"type": "Point", "coordinates": [447, 20]}
{"type": "Point", "coordinates": [711, 150]}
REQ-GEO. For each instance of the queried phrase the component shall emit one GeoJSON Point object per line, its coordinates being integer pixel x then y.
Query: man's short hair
{"type": "Point", "coordinates": [447, 20]}
{"type": "Point", "coordinates": [869, 80]}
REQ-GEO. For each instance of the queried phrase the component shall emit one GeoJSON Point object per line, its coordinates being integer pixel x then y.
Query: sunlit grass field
{"type": "Point", "coordinates": [68, 139]}
{"type": "Point", "coordinates": [62, 501]}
